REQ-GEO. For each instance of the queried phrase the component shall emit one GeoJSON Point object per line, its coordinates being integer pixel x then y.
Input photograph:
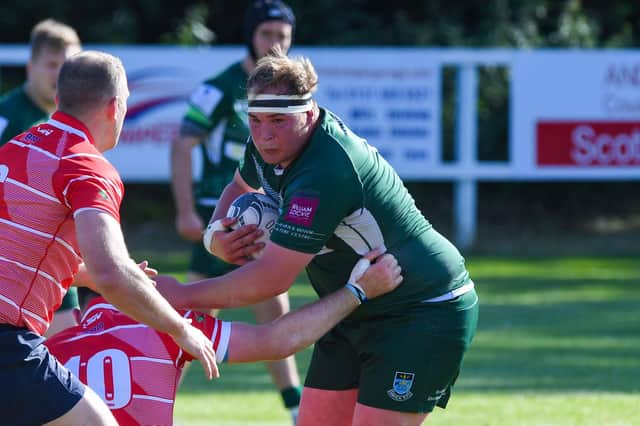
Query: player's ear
{"type": "Point", "coordinates": [112, 108]}
{"type": "Point", "coordinates": [309, 116]}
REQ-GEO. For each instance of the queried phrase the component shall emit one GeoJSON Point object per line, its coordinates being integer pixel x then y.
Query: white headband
{"type": "Point", "coordinates": [280, 104]}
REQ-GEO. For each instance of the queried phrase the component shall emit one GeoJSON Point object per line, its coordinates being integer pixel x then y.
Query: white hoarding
{"type": "Point", "coordinates": [576, 112]}
{"type": "Point", "coordinates": [160, 82]}
{"type": "Point", "coordinates": [389, 96]}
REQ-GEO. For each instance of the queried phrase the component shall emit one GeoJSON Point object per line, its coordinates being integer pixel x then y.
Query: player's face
{"type": "Point", "coordinates": [43, 71]}
{"type": "Point", "coordinates": [269, 34]}
{"type": "Point", "coordinates": [280, 138]}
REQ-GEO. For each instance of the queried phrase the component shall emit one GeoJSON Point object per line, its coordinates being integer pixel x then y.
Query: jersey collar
{"type": "Point", "coordinates": [97, 303]}
{"type": "Point", "coordinates": [70, 124]}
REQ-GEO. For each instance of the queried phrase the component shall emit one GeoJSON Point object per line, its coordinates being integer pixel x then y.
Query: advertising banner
{"type": "Point", "coordinates": [391, 97]}
{"type": "Point", "coordinates": [577, 112]}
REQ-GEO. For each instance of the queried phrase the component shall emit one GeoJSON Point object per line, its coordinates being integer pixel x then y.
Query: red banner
{"type": "Point", "coordinates": [588, 143]}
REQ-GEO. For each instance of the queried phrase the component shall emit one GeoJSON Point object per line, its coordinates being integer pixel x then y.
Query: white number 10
{"type": "Point", "coordinates": [108, 374]}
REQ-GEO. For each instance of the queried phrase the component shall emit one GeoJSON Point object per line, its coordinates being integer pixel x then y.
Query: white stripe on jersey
{"type": "Point", "coordinates": [33, 190]}
{"type": "Point", "coordinates": [37, 271]}
{"type": "Point", "coordinates": [97, 306]}
{"type": "Point", "coordinates": [66, 128]}
{"type": "Point", "coordinates": [75, 214]}
{"type": "Point", "coordinates": [57, 157]}
{"type": "Point", "coordinates": [35, 317]}
{"type": "Point", "coordinates": [223, 343]}
{"type": "Point", "coordinates": [84, 154]}
{"type": "Point", "coordinates": [152, 398]}
{"type": "Point", "coordinates": [146, 358]}
{"type": "Point", "coordinates": [59, 240]}
{"type": "Point", "coordinates": [87, 177]}
{"type": "Point", "coordinates": [9, 302]}
{"type": "Point", "coordinates": [108, 330]}
{"type": "Point", "coordinates": [23, 310]}
{"type": "Point", "coordinates": [26, 228]}
{"type": "Point", "coordinates": [35, 148]}
{"type": "Point", "coordinates": [67, 246]}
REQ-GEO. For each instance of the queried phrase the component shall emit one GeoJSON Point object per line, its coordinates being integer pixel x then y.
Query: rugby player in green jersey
{"type": "Point", "coordinates": [31, 103]}
{"type": "Point", "coordinates": [394, 358]}
{"type": "Point", "coordinates": [216, 122]}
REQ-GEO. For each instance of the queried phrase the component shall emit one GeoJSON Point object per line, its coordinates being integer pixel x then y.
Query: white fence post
{"type": "Point", "coordinates": [465, 188]}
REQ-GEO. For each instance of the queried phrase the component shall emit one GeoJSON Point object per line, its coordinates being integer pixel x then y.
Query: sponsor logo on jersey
{"type": "Point", "coordinates": [92, 319]}
{"type": "Point", "coordinates": [302, 210]}
{"type": "Point", "coordinates": [46, 132]}
{"type": "Point", "coordinates": [402, 383]}
{"type": "Point", "coordinates": [30, 137]}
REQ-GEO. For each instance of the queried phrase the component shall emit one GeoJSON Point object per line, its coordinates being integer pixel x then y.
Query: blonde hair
{"type": "Point", "coordinates": [53, 35]}
{"type": "Point", "coordinates": [287, 76]}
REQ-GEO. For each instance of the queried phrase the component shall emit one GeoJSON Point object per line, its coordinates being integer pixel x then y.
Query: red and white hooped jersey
{"type": "Point", "coordinates": [47, 175]}
{"type": "Point", "coordinates": [133, 368]}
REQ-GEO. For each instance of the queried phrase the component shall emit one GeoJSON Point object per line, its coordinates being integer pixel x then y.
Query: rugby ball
{"type": "Point", "coordinates": [254, 208]}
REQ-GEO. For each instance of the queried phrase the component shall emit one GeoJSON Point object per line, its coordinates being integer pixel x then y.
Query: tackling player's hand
{"type": "Point", "coordinates": [189, 225]}
{"type": "Point", "coordinates": [236, 246]}
{"type": "Point", "coordinates": [171, 289]}
{"type": "Point", "coordinates": [149, 272]}
{"type": "Point", "coordinates": [382, 276]}
{"type": "Point", "coordinates": [195, 342]}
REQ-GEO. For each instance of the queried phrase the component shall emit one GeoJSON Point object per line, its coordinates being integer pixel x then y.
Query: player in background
{"type": "Point", "coordinates": [136, 369]}
{"type": "Point", "coordinates": [34, 101]}
{"type": "Point", "coordinates": [392, 360]}
{"type": "Point", "coordinates": [216, 122]}
{"type": "Point", "coordinates": [59, 223]}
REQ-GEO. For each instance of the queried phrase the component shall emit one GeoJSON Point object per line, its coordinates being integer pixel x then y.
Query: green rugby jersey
{"type": "Point", "coordinates": [218, 109]}
{"type": "Point", "coordinates": [338, 200]}
{"type": "Point", "coordinates": [18, 113]}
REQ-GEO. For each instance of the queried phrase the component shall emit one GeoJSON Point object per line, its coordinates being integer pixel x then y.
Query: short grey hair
{"type": "Point", "coordinates": [88, 80]}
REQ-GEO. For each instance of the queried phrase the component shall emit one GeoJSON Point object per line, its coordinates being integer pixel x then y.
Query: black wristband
{"type": "Point", "coordinates": [357, 292]}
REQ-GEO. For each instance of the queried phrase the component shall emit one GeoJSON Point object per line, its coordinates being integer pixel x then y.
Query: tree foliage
{"type": "Point", "coordinates": [504, 23]}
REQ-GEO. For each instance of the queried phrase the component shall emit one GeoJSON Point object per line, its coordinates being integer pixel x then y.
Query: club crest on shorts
{"type": "Point", "coordinates": [402, 383]}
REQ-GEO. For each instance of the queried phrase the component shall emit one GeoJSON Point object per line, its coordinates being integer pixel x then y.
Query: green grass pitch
{"type": "Point", "coordinates": [558, 344]}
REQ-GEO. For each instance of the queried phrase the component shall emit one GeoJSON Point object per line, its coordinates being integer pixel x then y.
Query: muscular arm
{"type": "Point", "coordinates": [117, 277]}
{"type": "Point", "coordinates": [124, 284]}
{"type": "Point", "coordinates": [298, 329]}
{"type": "Point", "coordinates": [273, 273]}
{"type": "Point", "coordinates": [292, 332]}
{"type": "Point", "coordinates": [188, 223]}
